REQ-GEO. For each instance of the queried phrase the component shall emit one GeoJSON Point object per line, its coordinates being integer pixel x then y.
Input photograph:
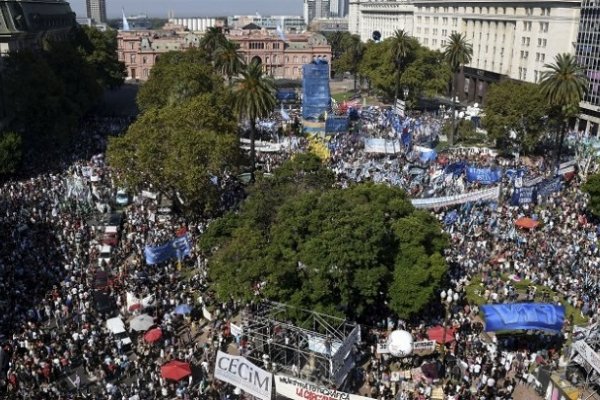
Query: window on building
{"type": "Point", "coordinates": [536, 75]}
{"type": "Point", "coordinates": [528, 42]}
{"type": "Point", "coordinates": [544, 42]}
{"type": "Point", "coordinates": [455, 22]}
{"type": "Point", "coordinates": [426, 31]}
{"type": "Point", "coordinates": [145, 72]}
{"type": "Point", "coordinates": [132, 58]}
{"type": "Point", "coordinates": [434, 42]}
{"type": "Point", "coordinates": [435, 31]}
{"type": "Point", "coordinates": [537, 56]}
{"type": "Point", "coordinates": [418, 19]}
{"type": "Point", "coordinates": [524, 74]}
{"type": "Point", "coordinates": [436, 20]}
{"type": "Point", "coordinates": [418, 29]}
{"type": "Point", "coordinates": [131, 45]}
{"type": "Point", "coordinates": [444, 32]}
{"type": "Point", "coordinates": [275, 59]}
{"type": "Point", "coordinates": [426, 41]}
{"type": "Point", "coordinates": [144, 60]}
{"type": "Point", "coordinates": [542, 57]}
{"type": "Point", "coordinates": [295, 60]}
{"type": "Point", "coordinates": [303, 59]}
{"type": "Point", "coordinates": [445, 21]}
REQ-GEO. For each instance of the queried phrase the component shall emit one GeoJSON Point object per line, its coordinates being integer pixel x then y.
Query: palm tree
{"type": "Point", "coordinates": [402, 45]}
{"type": "Point", "coordinates": [254, 97]}
{"type": "Point", "coordinates": [212, 39]}
{"type": "Point", "coordinates": [357, 50]}
{"type": "Point", "coordinates": [228, 59]}
{"type": "Point", "coordinates": [458, 53]}
{"type": "Point", "coordinates": [564, 84]}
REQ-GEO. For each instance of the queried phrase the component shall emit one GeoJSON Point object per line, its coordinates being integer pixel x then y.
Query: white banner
{"type": "Point", "coordinates": [296, 389]}
{"type": "Point", "coordinates": [587, 353]}
{"type": "Point", "coordinates": [435, 202]}
{"type": "Point", "coordinates": [235, 330]}
{"type": "Point", "coordinates": [243, 374]}
{"type": "Point", "coordinates": [420, 348]}
{"type": "Point", "coordinates": [383, 146]}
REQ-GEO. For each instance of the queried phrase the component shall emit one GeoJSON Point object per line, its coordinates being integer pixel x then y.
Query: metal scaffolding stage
{"type": "Point", "coordinates": [317, 347]}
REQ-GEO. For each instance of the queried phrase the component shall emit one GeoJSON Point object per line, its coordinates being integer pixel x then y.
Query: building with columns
{"type": "Point", "coordinates": [282, 58]}
{"type": "Point", "coordinates": [511, 39]}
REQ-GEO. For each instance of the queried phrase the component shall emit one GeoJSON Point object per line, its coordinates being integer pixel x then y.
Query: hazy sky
{"type": "Point", "coordinates": [196, 8]}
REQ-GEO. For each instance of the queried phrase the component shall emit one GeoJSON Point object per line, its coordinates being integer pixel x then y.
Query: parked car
{"type": "Point", "coordinates": [122, 198]}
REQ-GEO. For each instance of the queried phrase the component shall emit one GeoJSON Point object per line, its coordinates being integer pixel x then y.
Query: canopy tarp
{"type": "Point", "coordinates": [175, 370]}
{"type": "Point", "coordinates": [527, 223]}
{"type": "Point", "coordinates": [437, 333]}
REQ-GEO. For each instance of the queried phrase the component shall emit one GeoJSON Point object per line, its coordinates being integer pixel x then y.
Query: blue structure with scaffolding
{"type": "Point", "coordinates": [316, 98]}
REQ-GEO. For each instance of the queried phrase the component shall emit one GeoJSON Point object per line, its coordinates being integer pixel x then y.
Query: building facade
{"type": "Point", "coordinates": [96, 10]}
{"type": "Point", "coordinates": [281, 59]}
{"type": "Point", "coordinates": [588, 55]}
{"type": "Point", "coordinates": [24, 24]}
{"type": "Point", "coordinates": [197, 24]}
{"type": "Point", "coordinates": [512, 39]}
{"type": "Point", "coordinates": [289, 23]}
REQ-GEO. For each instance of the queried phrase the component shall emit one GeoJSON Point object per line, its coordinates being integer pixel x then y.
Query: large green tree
{"type": "Point", "coordinates": [10, 152]}
{"type": "Point", "coordinates": [458, 53]}
{"type": "Point", "coordinates": [564, 84]}
{"type": "Point", "coordinates": [178, 76]}
{"type": "Point", "coordinates": [179, 150]}
{"type": "Point", "coordinates": [212, 39]}
{"type": "Point", "coordinates": [515, 114]}
{"type": "Point", "coordinates": [349, 60]}
{"type": "Point", "coordinates": [298, 240]}
{"type": "Point", "coordinates": [100, 52]}
{"type": "Point", "coordinates": [254, 97]}
{"type": "Point", "coordinates": [377, 66]}
{"type": "Point", "coordinates": [592, 188]}
{"type": "Point", "coordinates": [426, 75]}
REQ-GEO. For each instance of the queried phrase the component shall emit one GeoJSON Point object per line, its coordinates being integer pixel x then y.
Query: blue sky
{"type": "Point", "coordinates": [196, 8]}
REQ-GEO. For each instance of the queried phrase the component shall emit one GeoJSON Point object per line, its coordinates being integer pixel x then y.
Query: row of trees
{"type": "Point", "coordinates": [519, 114]}
{"type": "Point", "coordinates": [186, 139]}
{"type": "Point", "coordinates": [400, 62]}
{"type": "Point", "coordinates": [46, 92]}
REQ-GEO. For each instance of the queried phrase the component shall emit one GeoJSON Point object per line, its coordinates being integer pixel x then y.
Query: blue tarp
{"type": "Point", "coordinates": [177, 248]}
{"type": "Point", "coordinates": [523, 316]}
{"type": "Point", "coordinates": [456, 168]}
{"type": "Point", "coordinates": [486, 176]}
{"type": "Point", "coordinates": [427, 155]}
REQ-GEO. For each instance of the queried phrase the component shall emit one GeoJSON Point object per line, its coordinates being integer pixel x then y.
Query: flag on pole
{"type": "Point", "coordinates": [125, 22]}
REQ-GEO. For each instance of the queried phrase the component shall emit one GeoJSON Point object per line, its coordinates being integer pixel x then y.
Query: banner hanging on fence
{"type": "Point", "coordinates": [548, 186]}
{"type": "Point", "coordinates": [480, 195]}
{"type": "Point", "coordinates": [241, 373]}
{"type": "Point", "coordinates": [522, 196]}
{"type": "Point", "coordinates": [296, 389]}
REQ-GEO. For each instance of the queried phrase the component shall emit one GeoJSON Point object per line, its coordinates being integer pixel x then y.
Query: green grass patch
{"type": "Point", "coordinates": [339, 97]}
{"type": "Point", "coordinates": [475, 290]}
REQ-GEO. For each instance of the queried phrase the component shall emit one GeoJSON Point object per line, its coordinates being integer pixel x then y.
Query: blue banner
{"type": "Point", "coordinates": [406, 138]}
{"type": "Point", "coordinates": [427, 155]}
{"type": "Point", "coordinates": [337, 124]}
{"type": "Point", "coordinates": [523, 316]}
{"type": "Point", "coordinates": [177, 248]}
{"type": "Point", "coordinates": [286, 95]}
{"type": "Point", "coordinates": [524, 195]}
{"type": "Point", "coordinates": [486, 176]}
{"type": "Point", "coordinates": [456, 168]}
{"type": "Point", "coordinates": [451, 218]}
{"type": "Point", "coordinates": [548, 186]}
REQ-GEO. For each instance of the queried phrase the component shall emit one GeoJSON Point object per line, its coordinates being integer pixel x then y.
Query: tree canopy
{"type": "Point", "coordinates": [178, 76]}
{"type": "Point", "coordinates": [47, 92]}
{"type": "Point", "coordinates": [515, 114]}
{"type": "Point", "coordinates": [299, 240]}
{"type": "Point", "coordinates": [592, 188]}
{"type": "Point", "coordinates": [180, 149]}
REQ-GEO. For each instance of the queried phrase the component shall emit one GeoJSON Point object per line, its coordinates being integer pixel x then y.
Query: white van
{"type": "Point", "coordinates": [105, 254]}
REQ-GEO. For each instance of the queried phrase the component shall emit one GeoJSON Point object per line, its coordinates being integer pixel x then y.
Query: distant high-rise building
{"type": "Point", "coordinates": [338, 8]}
{"type": "Point", "coordinates": [588, 55]}
{"type": "Point", "coordinates": [96, 10]}
{"type": "Point", "coordinates": [316, 9]}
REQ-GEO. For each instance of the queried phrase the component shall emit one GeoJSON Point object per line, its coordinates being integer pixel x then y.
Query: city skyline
{"type": "Point", "coordinates": [190, 8]}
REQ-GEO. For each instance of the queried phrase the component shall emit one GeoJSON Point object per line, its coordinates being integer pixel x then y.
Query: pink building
{"type": "Point", "coordinates": [281, 58]}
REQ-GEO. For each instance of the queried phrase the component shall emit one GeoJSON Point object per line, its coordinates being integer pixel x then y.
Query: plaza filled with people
{"type": "Point", "coordinates": [59, 287]}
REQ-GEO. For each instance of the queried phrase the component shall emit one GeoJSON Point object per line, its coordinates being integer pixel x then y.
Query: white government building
{"type": "Point", "coordinates": [512, 38]}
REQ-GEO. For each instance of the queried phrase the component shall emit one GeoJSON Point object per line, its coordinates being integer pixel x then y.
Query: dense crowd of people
{"type": "Point", "coordinates": [58, 290]}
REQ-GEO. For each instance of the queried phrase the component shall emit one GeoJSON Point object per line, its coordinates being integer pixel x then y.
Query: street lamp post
{"type": "Point", "coordinates": [448, 299]}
